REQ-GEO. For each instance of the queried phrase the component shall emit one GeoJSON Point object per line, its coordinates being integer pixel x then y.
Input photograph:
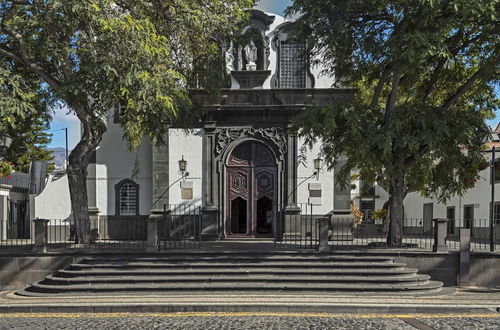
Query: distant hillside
{"type": "Point", "coordinates": [59, 157]}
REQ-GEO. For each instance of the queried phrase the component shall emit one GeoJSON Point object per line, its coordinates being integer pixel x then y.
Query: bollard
{"type": "Point", "coordinates": [152, 226]}
{"type": "Point", "coordinates": [323, 234]}
{"type": "Point", "coordinates": [440, 232]}
{"type": "Point", "coordinates": [464, 276]}
{"type": "Point", "coordinates": [41, 239]}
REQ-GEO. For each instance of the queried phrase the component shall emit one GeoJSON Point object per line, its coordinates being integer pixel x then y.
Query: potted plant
{"type": "Point", "coordinates": [6, 169]}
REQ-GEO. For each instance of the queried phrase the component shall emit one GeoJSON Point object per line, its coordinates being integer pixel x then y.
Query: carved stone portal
{"type": "Point", "coordinates": [274, 135]}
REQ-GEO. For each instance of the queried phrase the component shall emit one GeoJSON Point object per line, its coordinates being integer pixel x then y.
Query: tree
{"type": "Point", "coordinates": [29, 142]}
{"type": "Point", "coordinates": [423, 73]}
{"type": "Point", "coordinates": [24, 118]}
{"type": "Point", "coordinates": [91, 55]}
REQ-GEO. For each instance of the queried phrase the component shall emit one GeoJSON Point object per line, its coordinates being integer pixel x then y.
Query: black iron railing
{"type": "Point", "coordinates": [106, 232]}
{"type": "Point", "coordinates": [297, 228]}
{"type": "Point", "coordinates": [180, 227]}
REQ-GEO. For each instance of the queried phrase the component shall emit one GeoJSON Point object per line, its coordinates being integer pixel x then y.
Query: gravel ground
{"type": "Point", "coordinates": [202, 323]}
{"type": "Point", "coordinates": [462, 323]}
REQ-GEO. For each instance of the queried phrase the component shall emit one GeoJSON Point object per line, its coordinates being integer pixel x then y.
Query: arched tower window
{"type": "Point", "coordinates": [127, 198]}
{"type": "Point", "coordinates": [292, 64]}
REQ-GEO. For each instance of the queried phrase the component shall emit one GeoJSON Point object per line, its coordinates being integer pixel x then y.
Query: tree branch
{"type": "Point", "coordinates": [391, 100]}
{"type": "Point", "coordinates": [22, 57]}
{"type": "Point", "coordinates": [462, 89]}
{"type": "Point", "coordinates": [33, 67]}
{"type": "Point", "coordinates": [379, 88]}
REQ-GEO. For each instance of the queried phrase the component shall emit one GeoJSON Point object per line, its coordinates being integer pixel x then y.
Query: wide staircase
{"type": "Point", "coordinates": [273, 272]}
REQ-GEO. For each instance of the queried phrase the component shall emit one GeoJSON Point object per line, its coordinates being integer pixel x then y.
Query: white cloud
{"type": "Point", "coordinates": [273, 6]}
{"type": "Point", "coordinates": [64, 114]}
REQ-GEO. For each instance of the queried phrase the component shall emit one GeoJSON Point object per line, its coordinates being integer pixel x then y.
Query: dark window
{"type": "Point", "coordinates": [367, 207]}
{"type": "Point", "coordinates": [468, 216]}
{"type": "Point", "coordinates": [292, 65]}
{"type": "Point", "coordinates": [119, 111]}
{"type": "Point", "coordinates": [496, 215]}
{"type": "Point", "coordinates": [127, 198]}
{"type": "Point", "coordinates": [450, 215]}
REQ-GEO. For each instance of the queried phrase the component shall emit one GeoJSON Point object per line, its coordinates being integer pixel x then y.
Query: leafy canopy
{"type": "Point", "coordinates": [424, 74]}
{"type": "Point", "coordinates": [92, 55]}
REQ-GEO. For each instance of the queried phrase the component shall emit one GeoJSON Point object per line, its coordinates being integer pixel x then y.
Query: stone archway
{"type": "Point", "coordinates": [251, 191]}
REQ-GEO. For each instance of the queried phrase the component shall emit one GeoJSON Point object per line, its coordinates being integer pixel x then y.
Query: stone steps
{"type": "Point", "coordinates": [254, 264]}
{"type": "Point", "coordinates": [96, 272]}
{"type": "Point", "coordinates": [51, 279]}
{"type": "Point", "coordinates": [233, 272]}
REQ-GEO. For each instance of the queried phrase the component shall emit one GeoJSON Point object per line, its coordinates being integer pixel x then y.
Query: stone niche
{"type": "Point", "coordinates": [247, 57]}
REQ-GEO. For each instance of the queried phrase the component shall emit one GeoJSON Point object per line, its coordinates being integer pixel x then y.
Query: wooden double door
{"type": "Point", "coordinates": [251, 191]}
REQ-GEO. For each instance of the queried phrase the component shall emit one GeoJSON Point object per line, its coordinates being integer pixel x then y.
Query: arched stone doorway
{"type": "Point", "coordinates": [251, 191]}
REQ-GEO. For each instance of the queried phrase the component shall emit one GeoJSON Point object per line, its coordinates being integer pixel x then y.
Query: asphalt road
{"type": "Point", "coordinates": [242, 321]}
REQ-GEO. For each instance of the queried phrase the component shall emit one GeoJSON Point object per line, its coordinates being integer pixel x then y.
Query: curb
{"type": "Point", "coordinates": [268, 308]}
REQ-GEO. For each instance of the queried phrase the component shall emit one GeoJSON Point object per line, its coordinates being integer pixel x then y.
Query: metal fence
{"type": "Point", "coordinates": [297, 229]}
{"type": "Point", "coordinates": [180, 227]}
{"type": "Point", "coordinates": [9, 238]}
{"type": "Point", "coordinates": [16, 229]}
{"type": "Point", "coordinates": [480, 234]}
{"type": "Point", "coordinates": [106, 232]}
{"type": "Point", "coordinates": [373, 234]}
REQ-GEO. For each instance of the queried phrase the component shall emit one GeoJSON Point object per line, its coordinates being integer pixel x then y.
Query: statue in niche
{"type": "Point", "coordinates": [230, 59]}
{"type": "Point", "coordinates": [251, 56]}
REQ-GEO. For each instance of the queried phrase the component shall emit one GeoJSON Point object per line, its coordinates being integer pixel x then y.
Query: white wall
{"type": "Point", "coordinates": [326, 178]}
{"type": "Point", "coordinates": [115, 163]}
{"type": "Point", "coordinates": [54, 202]}
{"type": "Point", "coordinates": [479, 196]}
{"type": "Point", "coordinates": [187, 145]}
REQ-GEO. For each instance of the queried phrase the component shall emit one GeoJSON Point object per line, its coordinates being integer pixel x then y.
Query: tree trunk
{"type": "Point", "coordinates": [395, 237]}
{"type": "Point", "coordinates": [77, 179]}
{"type": "Point", "coordinates": [93, 129]}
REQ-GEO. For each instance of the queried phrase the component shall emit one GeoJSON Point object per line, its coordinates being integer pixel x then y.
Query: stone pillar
{"type": "Point", "coordinates": [341, 197]}
{"type": "Point", "coordinates": [41, 238]}
{"type": "Point", "coordinates": [92, 191]}
{"type": "Point", "coordinates": [440, 232]}
{"type": "Point", "coordinates": [4, 210]}
{"type": "Point", "coordinates": [210, 225]}
{"type": "Point", "coordinates": [464, 275]}
{"type": "Point", "coordinates": [153, 237]}
{"type": "Point", "coordinates": [208, 166]}
{"type": "Point", "coordinates": [291, 171]}
{"type": "Point", "coordinates": [323, 234]}
{"type": "Point", "coordinates": [160, 176]}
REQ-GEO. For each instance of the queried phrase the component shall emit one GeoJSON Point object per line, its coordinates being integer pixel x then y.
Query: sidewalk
{"type": "Point", "coordinates": [471, 300]}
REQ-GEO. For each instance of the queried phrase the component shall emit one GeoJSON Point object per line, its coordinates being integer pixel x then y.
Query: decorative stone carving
{"type": "Point", "coordinates": [251, 56]}
{"type": "Point", "coordinates": [274, 135]}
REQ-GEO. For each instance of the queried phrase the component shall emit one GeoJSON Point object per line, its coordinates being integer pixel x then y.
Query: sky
{"type": "Point", "coordinates": [62, 119]}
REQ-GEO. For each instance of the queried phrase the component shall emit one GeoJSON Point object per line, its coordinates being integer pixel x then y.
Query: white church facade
{"type": "Point", "coordinates": [246, 168]}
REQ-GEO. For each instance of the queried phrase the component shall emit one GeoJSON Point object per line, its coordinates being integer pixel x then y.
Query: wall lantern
{"type": "Point", "coordinates": [318, 164]}
{"type": "Point", "coordinates": [182, 165]}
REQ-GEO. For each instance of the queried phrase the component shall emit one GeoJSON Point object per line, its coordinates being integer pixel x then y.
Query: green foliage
{"type": "Point", "coordinates": [29, 142]}
{"type": "Point", "coordinates": [24, 118]}
{"type": "Point", "coordinates": [424, 74]}
{"type": "Point", "coordinates": [94, 54]}
{"type": "Point", "coordinates": [6, 168]}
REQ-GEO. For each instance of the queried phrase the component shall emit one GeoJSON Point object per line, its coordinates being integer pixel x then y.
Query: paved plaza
{"type": "Point", "coordinates": [242, 321]}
